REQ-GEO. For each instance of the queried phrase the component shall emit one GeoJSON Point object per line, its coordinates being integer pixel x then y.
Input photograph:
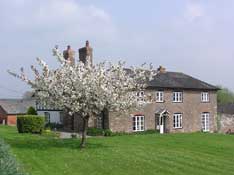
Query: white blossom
{"type": "Point", "coordinates": [87, 89]}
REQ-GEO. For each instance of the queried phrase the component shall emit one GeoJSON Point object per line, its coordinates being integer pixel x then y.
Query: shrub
{"type": "Point", "coordinates": [8, 164]}
{"type": "Point", "coordinates": [31, 111]}
{"type": "Point", "coordinates": [108, 132]}
{"type": "Point", "coordinates": [30, 124]}
{"type": "Point", "coordinates": [95, 132]}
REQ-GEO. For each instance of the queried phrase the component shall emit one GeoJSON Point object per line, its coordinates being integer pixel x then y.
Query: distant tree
{"type": "Point", "coordinates": [31, 111]}
{"type": "Point", "coordinates": [225, 96]}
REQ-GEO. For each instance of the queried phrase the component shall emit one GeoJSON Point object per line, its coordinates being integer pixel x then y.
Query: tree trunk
{"type": "Point", "coordinates": [84, 132]}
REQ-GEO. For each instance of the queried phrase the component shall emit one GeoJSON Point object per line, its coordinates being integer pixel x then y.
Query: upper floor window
{"type": "Point", "coordinates": [140, 96]}
{"type": "Point", "coordinates": [138, 123]}
{"type": "Point", "coordinates": [177, 120]}
{"type": "Point", "coordinates": [159, 96]}
{"type": "Point", "coordinates": [205, 97]}
{"type": "Point", "coordinates": [177, 96]}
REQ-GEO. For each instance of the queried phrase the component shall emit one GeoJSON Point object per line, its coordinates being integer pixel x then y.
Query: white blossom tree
{"type": "Point", "coordinates": [85, 90]}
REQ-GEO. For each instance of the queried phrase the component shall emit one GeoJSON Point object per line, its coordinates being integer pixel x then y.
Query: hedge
{"type": "Point", "coordinates": [8, 164]}
{"type": "Point", "coordinates": [30, 123]}
{"type": "Point", "coordinates": [108, 132]}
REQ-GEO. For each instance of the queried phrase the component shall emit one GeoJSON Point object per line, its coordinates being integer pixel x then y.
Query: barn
{"type": "Point", "coordinates": [10, 108]}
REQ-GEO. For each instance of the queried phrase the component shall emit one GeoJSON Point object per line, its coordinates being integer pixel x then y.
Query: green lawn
{"type": "Point", "coordinates": [189, 154]}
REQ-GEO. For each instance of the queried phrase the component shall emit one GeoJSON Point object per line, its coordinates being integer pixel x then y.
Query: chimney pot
{"type": "Point", "coordinates": [87, 43]}
{"type": "Point", "coordinates": [86, 54]}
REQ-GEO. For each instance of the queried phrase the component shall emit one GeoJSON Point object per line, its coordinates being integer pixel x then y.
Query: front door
{"type": "Point", "coordinates": [161, 123]}
{"type": "Point", "coordinates": [205, 122]}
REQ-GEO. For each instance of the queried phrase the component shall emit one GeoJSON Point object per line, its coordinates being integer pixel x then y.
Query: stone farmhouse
{"type": "Point", "coordinates": [179, 103]}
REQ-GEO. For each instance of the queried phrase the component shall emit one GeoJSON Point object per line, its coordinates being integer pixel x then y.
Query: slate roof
{"type": "Point", "coordinates": [16, 106]}
{"type": "Point", "coordinates": [226, 108]}
{"type": "Point", "coordinates": [178, 80]}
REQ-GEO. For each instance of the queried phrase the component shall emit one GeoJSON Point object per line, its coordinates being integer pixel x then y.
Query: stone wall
{"type": "Point", "coordinates": [226, 122]}
{"type": "Point", "coordinates": [191, 109]}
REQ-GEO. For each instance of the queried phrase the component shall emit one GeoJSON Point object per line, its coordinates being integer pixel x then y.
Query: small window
{"type": "Point", "coordinates": [140, 96]}
{"type": "Point", "coordinates": [138, 123]}
{"type": "Point", "coordinates": [47, 117]}
{"type": "Point", "coordinates": [99, 122]}
{"type": "Point", "coordinates": [61, 117]}
{"type": "Point", "coordinates": [177, 120]}
{"type": "Point", "coordinates": [177, 96]}
{"type": "Point", "coordinates": [159, 96]}
{"type": "Point", "coordinates": [205, 97]}
{"type": "Point", "coordinates": [205, 122]}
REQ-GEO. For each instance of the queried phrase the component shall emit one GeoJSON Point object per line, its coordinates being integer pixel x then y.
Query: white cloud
{"type": "Point", "coordinates": [194, 11]}
{"type": "Point", "coordinates": [57, 17]}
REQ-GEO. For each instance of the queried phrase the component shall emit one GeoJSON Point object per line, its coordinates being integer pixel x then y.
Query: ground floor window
{"type": "Point", "coordinates": [138, 123]}
{"type": "Point", "coordinates": [61, 117]}
{"type": "Point", "coordinates": [177, 120]}
{"type": "Point", "coordinates": [100, 122]}
{"type": "Point", "coordinates": [205, 122]}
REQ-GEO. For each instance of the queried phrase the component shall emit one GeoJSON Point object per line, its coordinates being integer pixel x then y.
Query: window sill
{"type": "Point", "coordinates": [178, 128]}
{"type": "Point", "coordinates": [205, 101]}
{"type": "Point", "coordinates": [160, 101]}
{"type": "Point", "coordinates": [177, 101]}
{"type": "Point", "coordinates": [206, 131]}
{"type": "Point", "coordinates": [138, 131]}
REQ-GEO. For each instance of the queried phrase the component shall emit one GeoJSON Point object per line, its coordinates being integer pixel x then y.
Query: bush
{"type": "Point", "coordinates": [31, 111]}
{"type": "Point", "coordinates": [30, 124]}
{"type": "Point", "coordinates": [8, 164]}
{"type": "Point", "coordinates": [108, 132]}
{"type": "Point", "coordinates": [95, 132]}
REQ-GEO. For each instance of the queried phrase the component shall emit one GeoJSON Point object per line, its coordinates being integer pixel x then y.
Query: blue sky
{"type": "Point", "coordinates": [190, 36]}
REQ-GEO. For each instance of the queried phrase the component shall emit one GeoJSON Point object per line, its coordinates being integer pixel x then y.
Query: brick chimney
{"type": "Point", "coordinates": [86, 53]}
{"type": "Point", "coordinates": [69, 55]}
{"type": "Point", "coordinates": [161, 69]}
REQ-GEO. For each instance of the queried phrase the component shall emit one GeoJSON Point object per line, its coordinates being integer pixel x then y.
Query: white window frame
{"type": "Point", "coordinates": [177, 120]}
{"type": "Point", "coordinates": [205, 97]}
{"type": "Point", "coordinates": [178, 96]}
{"type": "Point", "coordinates": [138, 123]}
{"type": "Point", "coordinates": [140, 96]}
{"type": "Point", "coordinates": [159, 96]}
{"type": "Point", "coordinates": [205, 121]}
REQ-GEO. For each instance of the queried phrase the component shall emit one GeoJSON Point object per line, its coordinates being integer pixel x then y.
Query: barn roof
{"type": "Point", "coordinates": [16, 106]}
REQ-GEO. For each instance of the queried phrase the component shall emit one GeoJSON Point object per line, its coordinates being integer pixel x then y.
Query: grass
{"type": "Point", "coordinates": [196, 153]}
